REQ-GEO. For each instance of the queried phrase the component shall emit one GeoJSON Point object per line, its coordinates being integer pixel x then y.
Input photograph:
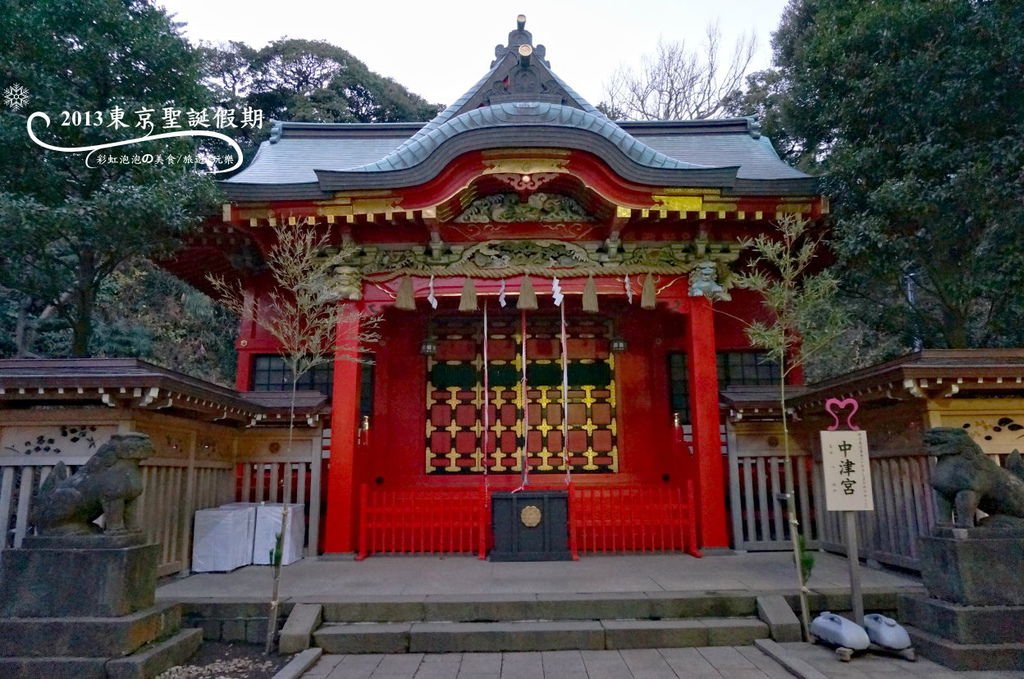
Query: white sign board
{"type": "Point", "coordinates": [844, 459]}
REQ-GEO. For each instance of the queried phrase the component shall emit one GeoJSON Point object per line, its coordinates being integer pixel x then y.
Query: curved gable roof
{"type": "Point", "coordinates": [518, 103]}
{"type": "Point", "coordinates": [523, 125]}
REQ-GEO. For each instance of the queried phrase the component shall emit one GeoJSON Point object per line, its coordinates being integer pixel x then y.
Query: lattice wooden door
{"type": "Point", "coordinates": [455, 400]}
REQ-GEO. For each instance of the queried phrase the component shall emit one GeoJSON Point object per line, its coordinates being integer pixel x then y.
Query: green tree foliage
{"type": "Point", "coordinates": [163, 319]}
{"type": "Point", "coordinates": [310, 81]}
{"type": "Point", "coordinates": [912, 109]}
{"type": "Point", "coordinates": [66, 228]}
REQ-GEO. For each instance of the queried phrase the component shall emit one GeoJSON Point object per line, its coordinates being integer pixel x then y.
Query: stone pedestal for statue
{"type": "Point", "coordinates": [82, 607]}
{"type": "Point", "coordinates": [974, 614]}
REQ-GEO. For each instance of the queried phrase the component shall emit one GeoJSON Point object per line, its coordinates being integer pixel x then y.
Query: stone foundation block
{"type": "Point", "coordinates": [86, 637]}
{"type": "Point", "coordinates": [974, 567]}
{"type": "Point", "coordinates": [963, 624]}
{"type": "Point", "coordinates": [48, 582]}
{"type": "Point", "coordinates": [967, 656]}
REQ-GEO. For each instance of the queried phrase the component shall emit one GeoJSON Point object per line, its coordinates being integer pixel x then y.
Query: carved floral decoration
{"type": "Point", "coordinates": [539, 207]}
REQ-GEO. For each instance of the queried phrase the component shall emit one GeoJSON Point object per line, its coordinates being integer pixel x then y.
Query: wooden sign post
{"type": "Point", "coordinates": [847, 474]}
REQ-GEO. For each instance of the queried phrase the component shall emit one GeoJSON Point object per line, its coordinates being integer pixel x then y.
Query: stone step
{"type": "Point", "coordinates": [153, 659]}
{"type": "Point", "coordinates": [145, 663]}
{"type": "Point", "coordinates": [87, 637]}
{"type": "Point", "coordinates": [543, 635]}
{"type": "Point", "coordinates": [497, 608]}
{"type": "Point", "coordinates": [961, 657]}
{"type": "Point", "coordinates": [963, 624]}
{"type": "Point", "coordinates": [549, 606]}
{"type": "Point", "coordinates": [54, 668]}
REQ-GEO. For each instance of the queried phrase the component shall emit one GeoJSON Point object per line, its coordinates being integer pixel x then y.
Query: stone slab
{"type": "Point", "coordinates": [383, 609]}
{"type": "Point", "coordinates": [734, 631]}
{"type": "Point", "coordinates": [794, 665]}
{"type": "Point", "coordinates": [480, 608]}
{"type": "Point", "coordinates": [229, 608]}
{"type": "Point", "coordinates": [620, 634]}
{"type": "Point", "coordinates": [967, 656]}
{"type": "Point", "coordinates": [429, 637]}
{"type": "Point", "coordinates": [256, 630]}
{"type": "Point", "coordinates": [155, 658]}
{"type": "Point", "coordinates": [363, 637]}
{"type": "Point", "coordinates": [35, 583]}
{"type": "Point", "coordinates": [589, 607]}
{"type": "Point", "coordinates": [233, 630]}
{"type": "Point", "coordinates": [89, 541]}
{"type": "Point", "coordinates": [780, 618]}
{"type": "Point", "coordinates": [54, 668]}
{"type": "Point", "coordinates": [298, 665]}
{"type": "Point", "coordinates": [829, 599]}
{"type": "Point", "coordinates": [299, 628]}
{"type": "Point", "coordinates": [974, 571]}
{"type": "Point", "coordinates": [963, 624]}
{"type": "Point", "coordinates": [146, 663]}
{"type": "Point", "coordinates": [699, 604]}
{"type": "Point", "coordinates": [87, 637]}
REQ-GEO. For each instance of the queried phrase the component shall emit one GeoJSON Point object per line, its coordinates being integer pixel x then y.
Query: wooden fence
{"type": "Point", "coordinates": [19, 479]}
{"type": "Point", "coordinates": [756, 482]}
{"type": "Point", "coordinates": [296, 481]}
{"type": "Point", "coordinates": [904, 502]}
{"type": "Point", "coordinates": [173, 490]}
{"type": "Point", "coordinates": [196, 465]}
{"type": "Point", "coordinates": [632, 519]}
{"type": "Point", "coordinates": [905, 509]}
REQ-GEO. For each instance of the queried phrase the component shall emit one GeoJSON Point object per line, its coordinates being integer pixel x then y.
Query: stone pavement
{"type": "Point", "coordinates": [722, 662]}
{"type": "Point", "coordinates": [399, 578]}
{"type": "Point", "coordinates": [871, 666]}
{"type": "Point", "coordinates": [743, 662]}
{"type": "Point", "coordinates": [324, 579]}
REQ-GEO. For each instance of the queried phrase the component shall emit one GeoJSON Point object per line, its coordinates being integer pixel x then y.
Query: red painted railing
{"type": "Point", "coordinates": [422, 521]}
{"type": "Point", "coordinates": [602, 519]}
{"type": "Point", "coordinates": [633, 519]}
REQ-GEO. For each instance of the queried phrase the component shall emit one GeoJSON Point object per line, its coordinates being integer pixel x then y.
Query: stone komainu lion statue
{"type": "Point", "coordinates": [967, 480]}
{"type": "Point", "coordinates": [107, 484]}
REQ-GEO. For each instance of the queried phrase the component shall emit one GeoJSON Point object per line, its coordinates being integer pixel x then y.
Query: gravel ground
{"type": "Point", "coordinates": [223, 660]}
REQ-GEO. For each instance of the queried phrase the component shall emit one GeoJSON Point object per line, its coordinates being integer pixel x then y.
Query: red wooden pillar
{"type": "Point", "coordinates": [707, 444]}
{"type": "Point", "coordinates": [340, 516]}
{"type": "Point", "coordinates": [246, 331]}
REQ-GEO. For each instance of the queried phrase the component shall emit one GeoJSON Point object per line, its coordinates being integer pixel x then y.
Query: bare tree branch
{"type": "Point", "coordinates": [678, 83]}
{"type": "Point", "coordinates": [305, 316]}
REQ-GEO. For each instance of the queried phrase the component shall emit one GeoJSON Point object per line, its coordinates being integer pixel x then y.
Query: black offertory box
{"type": "Point", "coordinates": [531, 526]}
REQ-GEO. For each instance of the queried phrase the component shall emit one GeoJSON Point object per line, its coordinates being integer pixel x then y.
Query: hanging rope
{"type": "Point", "coordinates": [487, 409]}
{"type": "Point", "coordinates": [524, 478]}
{"type": "Point", "coordinates": [565, 401]}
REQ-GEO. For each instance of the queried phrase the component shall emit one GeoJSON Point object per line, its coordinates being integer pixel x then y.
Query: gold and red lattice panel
{"type": "Point", "coordinates": [456, 435]}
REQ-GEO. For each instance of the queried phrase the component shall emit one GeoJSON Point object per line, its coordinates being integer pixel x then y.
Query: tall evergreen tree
{"type": "Point", "coordinates": [67, 227]}
{"type": "Point", "coordinates": [912, 109]}
{"type": "Point", "coordinates": [310, 81]}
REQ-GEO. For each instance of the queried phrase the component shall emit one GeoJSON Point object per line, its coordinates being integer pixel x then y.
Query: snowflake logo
{"type": "Point", "coordinates": [16, 97]}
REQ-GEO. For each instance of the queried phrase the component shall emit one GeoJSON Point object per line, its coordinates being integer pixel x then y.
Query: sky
{"type": "Point", "coordinates": [439, 50]}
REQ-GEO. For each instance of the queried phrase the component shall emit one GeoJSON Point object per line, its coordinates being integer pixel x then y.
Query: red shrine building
{"type": "Point", "coordinates": [558, 314]}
